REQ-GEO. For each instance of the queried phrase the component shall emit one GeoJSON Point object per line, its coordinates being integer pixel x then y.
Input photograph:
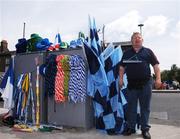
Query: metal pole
{"type": "Point", "coordinates": [140, 26]}
{"type": "Point", "coordinates": [103, 37]}
{"type": "Point", "coordinates": [24, 30]}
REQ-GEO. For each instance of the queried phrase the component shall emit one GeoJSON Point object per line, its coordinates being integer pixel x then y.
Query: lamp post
{"type": "Point", "coordinates": [140, 26]}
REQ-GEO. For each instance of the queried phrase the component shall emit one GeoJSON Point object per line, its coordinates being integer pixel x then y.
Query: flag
{"type": "Point", "coordinates": [113, 115]}
{"type": "Point", "coordinates": [94, 39]}
{"type": "Point", "coordinates": [96, 74]}
{"type": "Point", "coordinates": [103, 88]}
{"type": "Point", "coordinates": [103, 84]}
{"type": "Point", "coordinates": [57, 39]}
{"type": "Point", "coordinates": [57, 42]}
{"type": "Point", "coordinates": [7, 86]}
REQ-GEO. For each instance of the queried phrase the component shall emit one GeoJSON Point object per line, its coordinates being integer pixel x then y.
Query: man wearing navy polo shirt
{"type": "Point", "coordinates": [136, 64]}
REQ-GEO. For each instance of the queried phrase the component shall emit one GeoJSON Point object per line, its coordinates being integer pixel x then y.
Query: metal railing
{"type": "Point", "coordinates": [166, 91]}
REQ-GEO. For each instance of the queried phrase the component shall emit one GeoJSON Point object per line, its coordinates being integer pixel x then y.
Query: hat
{"type": "Point", "coordinates": [79, 42]}
{"type": "Point", "coordinates": [73, 44]}
{"type": "Point", "coordinates": [51, 48]}
{"type": "Point", "coordinates": [43, 44]}
{"type": "Point", "coordinates": [63, 45]}
{"type": "Point", "coordinates": [21, 46]}
{"type": "Point", "coordinates": [34, 35]}
{"type": "Point", "coordinates": [57, 46]}
{"type": "Point", "coordinates": [35, 38]}
{"type": "Point", "coordinates": [76, 43]}
{"type": "Point", "coordinates": [81, 35]}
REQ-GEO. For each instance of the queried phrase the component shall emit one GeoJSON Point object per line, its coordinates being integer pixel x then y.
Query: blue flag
{"type": "Point", "coordinates": [94, 39]}
{"type": "Point", "coordinates": [57, 39]}
{"type": "Point", "coordinates": [7, 87]}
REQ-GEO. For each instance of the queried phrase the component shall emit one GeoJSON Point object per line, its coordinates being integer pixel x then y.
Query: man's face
{"type": "Point", "coordinates": [137, 41]}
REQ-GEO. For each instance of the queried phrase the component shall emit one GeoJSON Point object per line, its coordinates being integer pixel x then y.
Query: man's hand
{"type": "Point", "coordinates": [157, 72]}
{"type": "Point", "coordinates": [158, 84]}
{"type": "Point", "coordinates": [121, 83]}
{"type": "Point", "coordinates": [121, 73]}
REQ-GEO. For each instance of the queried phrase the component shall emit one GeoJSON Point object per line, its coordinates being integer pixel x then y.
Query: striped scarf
{"type": "Point", "coordinates": [66, 69]}
{"type": "Point", "coordinates": [77, 82]}
{"type": "Point", "coordinates": [59, 80]}
{"type": "Point", "coordinates": [50, 74]}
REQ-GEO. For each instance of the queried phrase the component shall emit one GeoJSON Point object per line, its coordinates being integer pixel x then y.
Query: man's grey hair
{"type": "Point", "coordinates": [135, 33]}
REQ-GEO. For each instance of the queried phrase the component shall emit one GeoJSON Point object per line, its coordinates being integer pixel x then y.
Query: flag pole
{"type": "Point", "coordinates": [37, 93]}
{"type": "Point", "coordinates": [24, 28]}
{"type": "Point", "coordinates": [103, 42]}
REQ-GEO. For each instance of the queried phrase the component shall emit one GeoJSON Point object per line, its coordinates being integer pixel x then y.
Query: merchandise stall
{"type": "Point", "coordinates": [67, 113]}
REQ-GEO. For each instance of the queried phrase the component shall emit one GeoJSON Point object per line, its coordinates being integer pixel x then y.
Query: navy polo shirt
{"type": "Point", "coordinates": [137, 64]}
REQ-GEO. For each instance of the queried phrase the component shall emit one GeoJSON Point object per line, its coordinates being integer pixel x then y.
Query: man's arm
{"type": "Point", "coordinates": [158, 76]}
{"type": "Point", "coordinates": [121, 74]}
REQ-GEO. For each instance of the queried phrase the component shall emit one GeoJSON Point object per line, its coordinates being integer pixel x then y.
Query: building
{"type": "Point", "coordinates": [124, 45]}
{"type": "Point", "coordinates": [5, 56]}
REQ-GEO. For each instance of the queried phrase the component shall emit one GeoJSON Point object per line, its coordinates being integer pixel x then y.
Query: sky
{"type": "Point", "coordinates": [161, 19]}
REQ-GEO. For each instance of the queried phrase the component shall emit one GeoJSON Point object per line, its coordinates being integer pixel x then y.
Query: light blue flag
{"type": "Point", "coordinates": [93, 43]}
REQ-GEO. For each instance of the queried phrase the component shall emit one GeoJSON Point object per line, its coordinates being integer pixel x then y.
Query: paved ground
{"type": "Point", "coordinates": [158, 131]}
{"type": "Point", "coordinates": [167, 104]}
{"type": "Point", "coordinates": [165, 122]}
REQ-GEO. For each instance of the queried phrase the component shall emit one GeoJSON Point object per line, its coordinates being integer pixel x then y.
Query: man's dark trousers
{"type": "Point", "coordinates": [144, 96]}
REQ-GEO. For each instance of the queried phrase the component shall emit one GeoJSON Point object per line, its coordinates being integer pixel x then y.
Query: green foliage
{"type": "Point", "coordinates": [172, 74]}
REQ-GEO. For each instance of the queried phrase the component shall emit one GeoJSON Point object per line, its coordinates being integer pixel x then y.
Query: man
{"type": "Point", "coordinates": [136, 64]}
{"type": "Point", "coordinates": [4, 46]}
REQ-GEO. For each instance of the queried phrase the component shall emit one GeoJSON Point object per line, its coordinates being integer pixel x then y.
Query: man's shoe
{"type": "Point", "coordinates": [111, 132]}
{"type": "Point", "coordinates": [146, 135]}
{"type": "Point", "coordinates": [128, 132]}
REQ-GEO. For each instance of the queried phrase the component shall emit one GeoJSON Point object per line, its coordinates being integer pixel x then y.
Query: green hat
{"type": "Point", "coordinates": [35, 38]}
{"type": "Point", "coordinates": [63, 45]}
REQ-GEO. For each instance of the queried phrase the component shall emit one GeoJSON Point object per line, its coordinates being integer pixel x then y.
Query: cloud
{"type": "Point", "coordinates": [155, 25]}
{"type": "Point", "coordinates": [119, 29]}
{"type": "Point", "coordinates": [176, 33]}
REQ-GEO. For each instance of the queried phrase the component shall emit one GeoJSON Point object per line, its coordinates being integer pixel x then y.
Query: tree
{"type": "Point", "coordinates": [171, 75]}
{"type": "Point", "coordinates": [178, 75]}
{"type": "Point", "coordinates": [164, 75]}
{"type": "Point", "coordinates": [173, 72]}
